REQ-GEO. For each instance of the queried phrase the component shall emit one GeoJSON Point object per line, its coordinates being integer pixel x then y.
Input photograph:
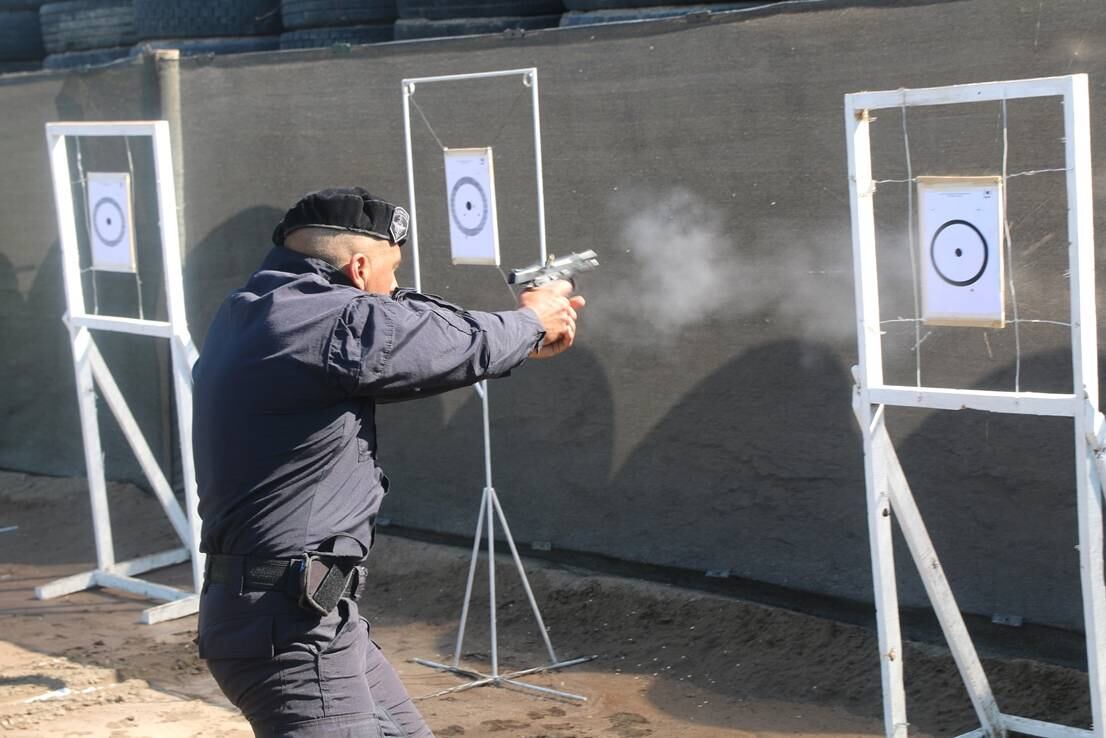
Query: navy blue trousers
{"type": "Point", "coordinates": [296, 675]}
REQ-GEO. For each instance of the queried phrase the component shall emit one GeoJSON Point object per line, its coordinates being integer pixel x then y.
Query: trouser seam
{"type": "Point", "coordinates": [391, 719]}
{"type": "Point", "coordinates": [321, 681]}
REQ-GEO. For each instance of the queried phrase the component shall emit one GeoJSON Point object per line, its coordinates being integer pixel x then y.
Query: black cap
{"type": "Point", "coordinates": [346, 209]}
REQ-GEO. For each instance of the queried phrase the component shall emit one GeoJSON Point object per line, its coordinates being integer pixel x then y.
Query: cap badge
{"type": "Point", "coordinates": [400, 222]}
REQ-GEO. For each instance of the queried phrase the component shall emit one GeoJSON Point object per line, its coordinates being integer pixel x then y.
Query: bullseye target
{"type": "Point", "coordinates": [111, 222]}
{"type": "Point", "coordinates": [960, 219]}
{"type": "Point", "coordinates": [468, 206]}
{"type": "Point", "coordinates": [959, 253]}
{"type": "Point", "coordinates": [470, 193]}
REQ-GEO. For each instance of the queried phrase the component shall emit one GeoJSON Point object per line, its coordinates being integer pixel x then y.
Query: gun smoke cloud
{"type": "Point", "coordinates": [690, 266]}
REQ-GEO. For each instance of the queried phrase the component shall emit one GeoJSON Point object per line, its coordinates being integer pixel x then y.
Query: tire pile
{"type": "Point", "coordinates": [208, 26]}
{"type": "Point", "coordinates": [78, 33]}
{"type": "Point", "coordinates": [21, 47]}
{"type": "Point", "coordinates": [82, 33]}
{"type": "Point", "coordinates": [436, 18]}
{"type": "Point", "coordinates": [590, 12]}
{"type": "Point", "coordinates": [310, 23]}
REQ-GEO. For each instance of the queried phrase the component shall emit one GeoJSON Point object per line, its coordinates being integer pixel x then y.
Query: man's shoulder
{"type": "Point", "coordinates": [279, 291]}
{"type": "Point", "coordinates": [424, 301]}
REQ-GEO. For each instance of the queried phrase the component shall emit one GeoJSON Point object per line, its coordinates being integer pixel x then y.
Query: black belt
{"type": "Point", "coordinates": [316, 581]}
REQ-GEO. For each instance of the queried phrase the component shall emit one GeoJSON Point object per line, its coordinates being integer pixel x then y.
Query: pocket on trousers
{"type": "Point", "coordinates": [238, 638]}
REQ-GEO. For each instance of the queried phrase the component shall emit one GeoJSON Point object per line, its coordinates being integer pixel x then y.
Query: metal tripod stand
{"type": "Point", "coordinates": [490, 509]}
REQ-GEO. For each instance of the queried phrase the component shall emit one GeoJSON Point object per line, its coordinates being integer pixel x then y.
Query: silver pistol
{"type": "Point", "coordinates": [553, 269]}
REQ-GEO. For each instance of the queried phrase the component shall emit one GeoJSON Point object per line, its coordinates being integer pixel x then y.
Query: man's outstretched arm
{"type": "Point", "coordinates": [414, 345]}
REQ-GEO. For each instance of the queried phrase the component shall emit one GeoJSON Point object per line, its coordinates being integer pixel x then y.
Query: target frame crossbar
{"type": "Point", "coordinates": [92, 372]}
{"type": "Point", "coordinates": [490, 507]}
{"type": "Point", "coordinates": [887, 490]}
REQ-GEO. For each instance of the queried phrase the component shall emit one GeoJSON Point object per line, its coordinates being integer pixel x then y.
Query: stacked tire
{"type": "Point", "coordinates": [591, 12]}
{"type": "Point", "coordinates": [21, 47]}
{"type": "Point", "coordinates": [207, 26]}
{"type": "Point", "coordinates": [314, 23]}
{"type": "Point", "coordinates": [85, 33]}
{"type": "Point", "coordinates": [436, 18]}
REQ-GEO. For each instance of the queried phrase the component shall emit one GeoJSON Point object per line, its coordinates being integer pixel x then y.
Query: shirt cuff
{"type": "Point", "coordinates": [530, 316]}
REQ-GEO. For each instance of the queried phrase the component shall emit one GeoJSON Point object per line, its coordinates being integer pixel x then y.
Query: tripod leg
{"type": "Point", "coordinates": [472, 574]}
{"type": "Point", "coordinates": [490, 493]}
{"type": "Point", "coordinates": [494, 502]}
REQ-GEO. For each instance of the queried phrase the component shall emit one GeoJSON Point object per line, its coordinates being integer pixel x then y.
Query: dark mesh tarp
{"type": "Point", "coordinates": [704, 420]}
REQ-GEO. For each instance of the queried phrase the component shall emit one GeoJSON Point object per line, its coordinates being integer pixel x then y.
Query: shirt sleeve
{"type": "Point", "coordinates": [417, 345]}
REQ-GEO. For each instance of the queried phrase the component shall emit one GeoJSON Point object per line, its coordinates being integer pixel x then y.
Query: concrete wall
{"type": "Point", "coordinates": [704, 419]}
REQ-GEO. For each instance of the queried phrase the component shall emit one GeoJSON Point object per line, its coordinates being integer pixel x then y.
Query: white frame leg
{"type": "Point", "coordinates": [94, 455]}
{"type": "Point", "coordinates": [937, 586]}
{"type": "Point", "coordinates": [888, 628]}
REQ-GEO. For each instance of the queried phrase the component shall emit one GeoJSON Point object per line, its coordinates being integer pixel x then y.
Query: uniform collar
{"type": "Point", "coordinates": [282, 259]}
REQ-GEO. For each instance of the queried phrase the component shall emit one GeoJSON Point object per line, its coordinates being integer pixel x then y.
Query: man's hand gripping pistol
{"type": "Point", "coordinates": [566, 268]}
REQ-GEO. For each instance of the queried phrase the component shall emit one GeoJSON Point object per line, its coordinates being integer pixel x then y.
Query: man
{"type": "Point", "coordinates": [285, 446]}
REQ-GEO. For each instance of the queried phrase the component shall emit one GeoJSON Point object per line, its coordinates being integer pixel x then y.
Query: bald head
{"type": "Point", "coordinates": [369, 262]}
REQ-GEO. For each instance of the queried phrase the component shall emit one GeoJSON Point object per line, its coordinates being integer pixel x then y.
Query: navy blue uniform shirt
{"type": "Point", "coordinates": [285, 394]}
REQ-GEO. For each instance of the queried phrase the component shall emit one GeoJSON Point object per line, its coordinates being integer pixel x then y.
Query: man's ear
{"type": "Point", "coordinates": [358, 269]}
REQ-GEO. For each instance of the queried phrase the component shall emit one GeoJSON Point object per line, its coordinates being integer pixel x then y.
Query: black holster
{"type": "Point", "coordinates": [324, 578]}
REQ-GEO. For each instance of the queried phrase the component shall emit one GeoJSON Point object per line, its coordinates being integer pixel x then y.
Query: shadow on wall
{"type": "Point", "coordinates": [41, 428]}
{"type": "Point", "coordinates": [552, 442]}
{"type": "Point", "coordinates": [12, 317]}
{"type": "Point", "coordinates": [757, 471]}
{"type": "Point", "coordinates": [998, 495]}
{"type": "Point", "coordinates": [222, 262]}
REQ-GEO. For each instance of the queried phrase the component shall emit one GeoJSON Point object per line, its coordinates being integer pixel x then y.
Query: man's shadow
{"type": "Point", "coordinates": [222, 261]}
{"type": "Point", "coordinates": [40, 397]}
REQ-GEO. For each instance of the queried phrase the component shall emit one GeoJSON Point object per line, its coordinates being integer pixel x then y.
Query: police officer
{"type": "Point", "coordinates": [285, 447]}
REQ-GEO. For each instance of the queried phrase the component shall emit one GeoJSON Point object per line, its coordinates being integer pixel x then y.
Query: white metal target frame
{"type": "Point", "coordinates": [887, 489]}
{"type": "Point", "coordinates": [490, 507]}
{"type": "Point", "coordinates": [92, 371]}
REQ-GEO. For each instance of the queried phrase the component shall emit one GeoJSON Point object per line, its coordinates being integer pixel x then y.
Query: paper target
{"type": "Point", "coordinates": [960, 222]}
{"type": "Point", "coordinates": [470, 201]}
{"type": "Point", "coordinates": [111, 222]}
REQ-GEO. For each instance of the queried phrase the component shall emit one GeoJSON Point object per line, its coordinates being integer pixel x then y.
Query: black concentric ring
{"type": "Point", "coordinates": [453, 202]}
{"type": "Point", "coordinates": [933, 256]}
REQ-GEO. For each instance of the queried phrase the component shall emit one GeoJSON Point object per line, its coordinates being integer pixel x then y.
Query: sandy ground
{"type": "Point", "coordinates": [671, 662]}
